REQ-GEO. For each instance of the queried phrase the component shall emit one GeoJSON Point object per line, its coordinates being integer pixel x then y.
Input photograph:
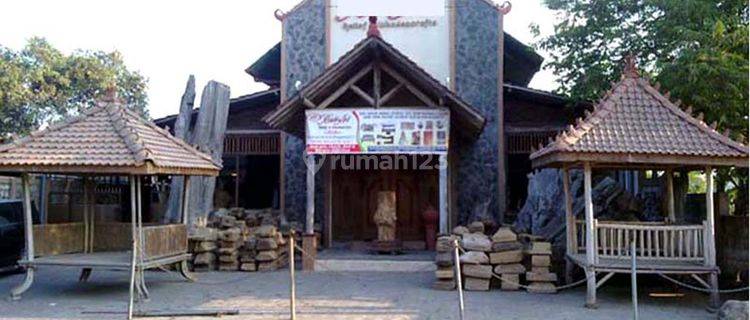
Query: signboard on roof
{"type": "Point", "coordinates": [377, 131]}
{"type": "Point", "coordinates": [420, 29]}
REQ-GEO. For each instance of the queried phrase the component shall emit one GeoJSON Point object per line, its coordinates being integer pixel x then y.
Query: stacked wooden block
{"type": "Point", "coordinates": [445, 279]}
{"type": "Point", "coordinates": [475, 264]}
{"type": "Point", "coordinates": [540, 279]}
{"type": "Point", "coordinates": [506, 258]}
{"type": "Point", "coordinates": [202, 243]}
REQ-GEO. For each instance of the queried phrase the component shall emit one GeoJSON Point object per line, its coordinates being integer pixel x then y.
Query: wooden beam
{"type": "Point", "coordinates": [134, 239]}
{"type": "Point", "coordinates": [670, 195]}
{"type": "Point", "coordinates": [443, 193]}
{"type": "Point", "coordinates": [308, 103]}
{"type": "Point", "coordinates": [590, 253]}
{"type": "Point", "coordinates": [409, 86]}
{"type": "Point", "coordinates": [340, 91]}
{"type": "Point", "coordinates": [363, 95]}
{"type": "Point", "coordinates": [185, 200]}
{"type": "Point", "coordinates": [310, 213]}
{"type": "Point", "coordinates": [28, 226]}
{"type": "Point", "coordinates": [710, 221]}
{"type": "Point", "coordinates": [570, 222]}
{"type": "Point", "coordinates": [388, 95]}
{"type": "Point", "coordinates": [376, 84]}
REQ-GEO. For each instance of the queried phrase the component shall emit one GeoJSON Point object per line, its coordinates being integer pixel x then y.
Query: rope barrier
{"type": "Point", "coordinates": [677, 282]}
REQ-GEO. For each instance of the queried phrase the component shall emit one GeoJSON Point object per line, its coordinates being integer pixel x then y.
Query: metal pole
{"type": "Point", "coordinates": [292, 289]}
{"type": "Point", "coordinates": [633, 281]}
{"type": "Point", "coordinates": [457, 276]}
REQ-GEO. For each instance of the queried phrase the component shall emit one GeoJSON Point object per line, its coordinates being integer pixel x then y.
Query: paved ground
{"type": "Point", "coordinates": [57, 295]}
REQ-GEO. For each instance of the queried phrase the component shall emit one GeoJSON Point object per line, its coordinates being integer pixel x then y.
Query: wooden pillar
{"type": "Point", "coordinates": [28, 228]}
{"type": "Point", "coordinates": [185, 200]}
{"type": "Point", "coordinates": [590, 249]}
{"type": "Point", "coordinates": [670, 196]}
{"type": "Point", "coordinates": [501, 161]}
{"type": "Point", "coordinates": [571, 245]}
{"type": "Point", "coordinates": [443, 193]}
{"type": "Point", "coordinates": [308, 240]}
{"type": "Point", "coordinates": [710, 259]}
{"type": "Point", "coordinates": [134, 241]}
{"type": "Point", "coordinates": [86, 213]}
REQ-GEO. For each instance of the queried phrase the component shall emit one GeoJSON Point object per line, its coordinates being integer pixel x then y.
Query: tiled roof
{"type": "Point", "coordinates": [107, 138]}
{"type": "Point", "coordinates": [634, 119]}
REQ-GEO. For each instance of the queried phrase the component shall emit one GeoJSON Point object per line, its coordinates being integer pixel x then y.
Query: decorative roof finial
{"type": "Point", "coordinates": [630, 70]}
{"type": "Point", "coordinates": [110, 94]}
{"type": "Point", "coordinates": [373, 31]}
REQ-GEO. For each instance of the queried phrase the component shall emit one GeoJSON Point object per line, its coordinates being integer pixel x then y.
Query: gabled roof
{"type": "Point", "coordinates": [107, 138]}
{"type": "Point", "coordinates": [289, 116]}
{"type": "Point", "coordinates": [267, 69]}
{"type": "Point", "coordinates": [635, 125]}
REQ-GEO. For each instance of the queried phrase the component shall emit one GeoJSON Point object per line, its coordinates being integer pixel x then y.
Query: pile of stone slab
{"type": "Point", "coordinates": [506, 258]}
{"type": "Point", "coordinates": [270, 246]}
{"type": "Point", "coordinates": [540, 279]}
{"type": "Point", "coordinates": [202, 244]}
{"type": "Point", "coordinates": [445, 273]}
{"type": "Point", "coordinates": [238, 239]}
{"type": "Point", "coordinates": [475, 263]}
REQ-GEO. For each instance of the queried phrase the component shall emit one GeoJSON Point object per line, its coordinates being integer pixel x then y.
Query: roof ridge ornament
{"type": "Point", "coordinates": [372, 30]}
{"type": "Point", "coordinates": [630, 70]}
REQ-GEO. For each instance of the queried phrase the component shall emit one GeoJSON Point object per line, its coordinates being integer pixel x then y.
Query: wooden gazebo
{"type": "Point", "coordinates": [636, 127]}
{"type": "Point", "coordinates": [106, 140]}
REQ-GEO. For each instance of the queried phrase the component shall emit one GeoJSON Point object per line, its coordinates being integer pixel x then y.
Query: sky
{"type": "Point", "coordinates": [167, 41]}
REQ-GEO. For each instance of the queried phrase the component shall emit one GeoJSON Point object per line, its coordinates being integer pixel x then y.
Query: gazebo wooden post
{"type": "Point", "coordinates": [670, 195]}
{"type": "Point", "coordinates": [590, 248]}
{"type": "Point", "coordinates": [28, 223]}
{"type": "Point", "coordinates": [141, 240]}
{"type": "Point", "coordinates": [710, 259]}
{"type": "Point", "coordinates": [134, 237]}
{"type": "Point", "coordinates": [570, 227]}
{"type": "Point", "coordinates": [308, 239]}
{"type": "Point", "coordinates": [185, 212]}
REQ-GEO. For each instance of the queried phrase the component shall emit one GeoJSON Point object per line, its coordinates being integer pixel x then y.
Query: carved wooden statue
{"type": "Point", "coordinates": [385, 216]}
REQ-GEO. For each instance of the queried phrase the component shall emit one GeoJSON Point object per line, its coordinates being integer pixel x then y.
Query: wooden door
{"type": "Point", "coordinates": [355, 201]}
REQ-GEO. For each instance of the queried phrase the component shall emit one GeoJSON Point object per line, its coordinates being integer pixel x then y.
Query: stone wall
{"type": "Point", "coordinates": [304, 47]}
{"type": "Point", "coordinates": [477, 83]}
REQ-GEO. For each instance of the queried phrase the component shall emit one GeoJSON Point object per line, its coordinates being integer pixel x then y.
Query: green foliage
{"type": "Point", "coordinates": [696, 49]}
{"type": "Point", "coordinates": [39, 84]}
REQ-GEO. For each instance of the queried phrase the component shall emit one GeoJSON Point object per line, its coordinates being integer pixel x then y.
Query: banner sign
{"type": "Point", "coordinates": [377, 131]}
{"type": "Point", "coordinates": [420, 29]}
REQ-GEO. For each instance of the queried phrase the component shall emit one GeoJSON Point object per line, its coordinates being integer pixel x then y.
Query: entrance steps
{"type": "Point", "coordinates": [339, 260]}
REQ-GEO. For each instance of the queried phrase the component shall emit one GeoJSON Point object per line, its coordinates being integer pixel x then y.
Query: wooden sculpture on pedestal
{"type": "Point", "coordinates": [385, 218]}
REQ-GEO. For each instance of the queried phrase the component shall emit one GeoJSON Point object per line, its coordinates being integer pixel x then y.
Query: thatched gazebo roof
{"type": "Point", "coordinates": [106, 139]}
{"type": "Point", "coordinates": [635, 125]}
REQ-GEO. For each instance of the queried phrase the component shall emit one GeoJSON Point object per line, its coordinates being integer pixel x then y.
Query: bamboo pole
{"type": "Point", "coordinates": [134, 237]}
{"type": "Point", "coordinates": [457, 276]}
{"type": "Point", "coordinates": [590, 245]}
{"type": "Point", "coordinates": [292, 285]}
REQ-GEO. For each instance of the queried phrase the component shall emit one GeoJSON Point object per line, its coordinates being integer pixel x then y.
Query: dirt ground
{"type": "Point", "coordinates": [56, 294]}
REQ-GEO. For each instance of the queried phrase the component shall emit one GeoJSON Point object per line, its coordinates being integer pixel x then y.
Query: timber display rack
{"type": "Point", "coordinates": [106, 140]}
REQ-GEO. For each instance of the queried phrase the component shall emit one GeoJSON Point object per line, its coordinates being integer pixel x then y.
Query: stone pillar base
{"type": "Point", "coordinates": [309, 245]}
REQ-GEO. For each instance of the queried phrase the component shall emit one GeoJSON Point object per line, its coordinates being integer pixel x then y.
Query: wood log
{"type": "Point", "coordinates": [208, 136]}
{"type": "Point", "coordinates": [181, 131]}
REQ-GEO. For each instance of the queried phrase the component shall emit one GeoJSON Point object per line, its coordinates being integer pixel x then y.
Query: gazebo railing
{"type": "Point", "coordinates": [653, 240]}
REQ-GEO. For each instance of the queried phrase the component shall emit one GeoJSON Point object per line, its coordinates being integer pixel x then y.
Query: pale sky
{"type": "Point", "coordinates": [166, 41]}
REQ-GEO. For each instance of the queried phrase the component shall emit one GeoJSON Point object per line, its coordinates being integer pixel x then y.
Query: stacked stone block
{"type": "Point", "coordinates": [475, 264]}
{"type": "Point", "coordinates": [445, 273]}
{"type": "Point", "coordinates": [506, 258]}
{"type": "Point", "coordinates": [267, 248]}
{"type": "Point", "coordinates": [202, 244]}
{"type": "Point", "coordinates": [540, 279]}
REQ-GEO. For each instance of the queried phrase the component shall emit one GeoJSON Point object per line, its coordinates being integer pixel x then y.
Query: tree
{"type": "Point", "coordinates": [696, 49]}
{"type": "Point", "coordinates": [40, 84]}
